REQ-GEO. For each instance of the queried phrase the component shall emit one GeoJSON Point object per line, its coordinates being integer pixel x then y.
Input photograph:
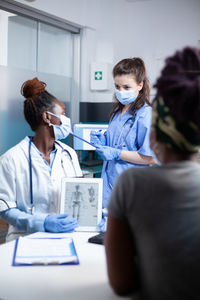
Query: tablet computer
{"type": "Point", "coordinates": [82, 199]}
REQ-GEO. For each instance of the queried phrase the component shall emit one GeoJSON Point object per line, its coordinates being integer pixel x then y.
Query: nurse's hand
{"type": "Point", "coordinates": [97, 138]}
{"type": "Point", "coordinates": [60, 223]}
{"type": "Point", "coordinates": [108, 153]}
{"type": "Point", "coordinates": [103, 223]}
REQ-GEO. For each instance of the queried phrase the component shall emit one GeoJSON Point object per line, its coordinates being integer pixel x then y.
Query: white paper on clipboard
{"type": "Point", "coordinates": [31, 251]}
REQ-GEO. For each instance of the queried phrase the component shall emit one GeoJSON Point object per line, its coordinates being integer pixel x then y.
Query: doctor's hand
{"type": "Point", "coordinates": [103, 223]}
{"type": "Point", "coordinates": [97, 138]}
{"type": "Point", "coordinates": [108, 153]}
{"type": "Point", "coordinates": [60, 223]}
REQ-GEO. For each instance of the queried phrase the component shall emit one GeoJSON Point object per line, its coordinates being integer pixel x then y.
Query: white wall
{"type": "Point", "coordinates": [115, 29]}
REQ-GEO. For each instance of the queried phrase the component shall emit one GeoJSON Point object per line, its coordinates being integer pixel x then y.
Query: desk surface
{"type": "Point", "coordinates": [87, 281]}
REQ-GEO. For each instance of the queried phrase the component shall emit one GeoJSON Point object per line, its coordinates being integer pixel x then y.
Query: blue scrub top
{"type": "Point", "coordinates": [126, 132]}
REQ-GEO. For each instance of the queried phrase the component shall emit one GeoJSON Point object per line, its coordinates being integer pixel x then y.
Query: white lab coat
{"type": "Point", "coordinates": [15, 179]}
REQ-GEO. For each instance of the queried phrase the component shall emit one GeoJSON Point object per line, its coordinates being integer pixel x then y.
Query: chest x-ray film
{"type": "Point", "coordinates": [82, 199]}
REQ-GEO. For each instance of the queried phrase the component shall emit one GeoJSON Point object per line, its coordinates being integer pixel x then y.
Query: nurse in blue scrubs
{"type": "Point", "coordinates": [126, 142]}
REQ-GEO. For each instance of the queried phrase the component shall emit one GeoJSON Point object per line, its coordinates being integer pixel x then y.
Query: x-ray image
{"type": "Point", "coordinates": [82, 198]}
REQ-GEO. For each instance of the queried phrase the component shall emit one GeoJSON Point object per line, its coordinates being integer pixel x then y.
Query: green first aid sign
{"type": "Point", "coordinates": [98, 75]}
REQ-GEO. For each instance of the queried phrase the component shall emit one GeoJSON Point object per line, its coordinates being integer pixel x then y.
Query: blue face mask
{"type": "Point", "coordinates": [125, 97]}
{"type": "Point", "coordinates": [64, 129]}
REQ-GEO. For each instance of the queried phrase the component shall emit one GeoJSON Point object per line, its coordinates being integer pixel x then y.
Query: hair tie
{"type": "Point", "coordinates": [30, 100]}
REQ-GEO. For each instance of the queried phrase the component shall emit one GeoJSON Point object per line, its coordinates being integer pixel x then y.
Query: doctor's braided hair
{"type": "Point", "coordinates": [37, 101]}
{"type": "Point", "coordinates": [133, 66]}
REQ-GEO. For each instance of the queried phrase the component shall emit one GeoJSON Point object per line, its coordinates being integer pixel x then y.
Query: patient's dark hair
{"type": "Point", "coordinates": [37, 101]}
{"type": "Point", "coordinates": [179, 85]}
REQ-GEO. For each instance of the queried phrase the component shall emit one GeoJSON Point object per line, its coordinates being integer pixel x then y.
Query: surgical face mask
{"type": "Point", "coordinates": [125, 97]}
{"type": "Point", "coordinates": [64, 129]}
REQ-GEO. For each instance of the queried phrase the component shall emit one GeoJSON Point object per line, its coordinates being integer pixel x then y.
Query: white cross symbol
{"type": "Point", "coordinates": [98, 75]}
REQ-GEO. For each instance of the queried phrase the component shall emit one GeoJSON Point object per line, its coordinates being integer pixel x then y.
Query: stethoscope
{"type": "Point", "coordinates": [120, 140]}
{"type": "Point", "coordinates": [31, 209]}
{"type": "Point", "coordinates": [120, 143]}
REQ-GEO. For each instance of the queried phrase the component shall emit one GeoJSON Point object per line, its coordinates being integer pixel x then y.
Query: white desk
{"type": "Point", "coordinates": [87, 281]}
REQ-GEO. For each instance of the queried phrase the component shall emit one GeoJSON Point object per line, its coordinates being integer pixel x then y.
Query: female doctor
{"type": "Point", "coordinates": [126, 142]}
{"type": "Point", "coordinates": [31, 172]}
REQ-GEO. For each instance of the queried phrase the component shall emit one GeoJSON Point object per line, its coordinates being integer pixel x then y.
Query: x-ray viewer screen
{"type": "Point", "coordinates": [83, 130]}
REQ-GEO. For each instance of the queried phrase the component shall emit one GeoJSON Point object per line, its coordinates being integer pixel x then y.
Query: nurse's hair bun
{"type": "Point", "coordinates": [32, 88]}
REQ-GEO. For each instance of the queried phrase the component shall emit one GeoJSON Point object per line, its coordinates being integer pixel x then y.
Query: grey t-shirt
{"type": "Point", "coordinates": [162, 206]}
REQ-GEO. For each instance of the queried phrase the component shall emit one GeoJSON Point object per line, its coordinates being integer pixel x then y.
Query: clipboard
{"type": "Point", "coordinates": [44, 251]}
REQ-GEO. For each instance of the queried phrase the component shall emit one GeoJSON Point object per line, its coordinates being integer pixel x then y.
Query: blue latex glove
{"type": "Point", "coordinates": [109, 153]}
{"type": "Point", "coordinates": [23, 221]}
{"type": "Point", "coordinates": [103, 223]}
{"type": "Point", "coordinates": [60, 223]}
{"type": "Point", "coordinates": [97, 138]}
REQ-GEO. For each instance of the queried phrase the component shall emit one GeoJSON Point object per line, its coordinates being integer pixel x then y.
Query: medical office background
{"type": "Point", "coordinates": [60, 41]}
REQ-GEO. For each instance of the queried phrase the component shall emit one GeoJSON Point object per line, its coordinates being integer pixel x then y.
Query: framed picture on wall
{"type": "Point", "coordinates": [82, 199]}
